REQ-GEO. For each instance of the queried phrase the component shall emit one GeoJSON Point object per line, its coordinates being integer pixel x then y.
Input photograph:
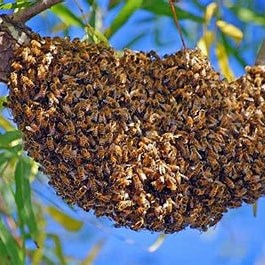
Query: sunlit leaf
{"type": "Point", "coordinates": [230, 30]}
{"type": "Point", "coordinates": [125, 13]}
{"type": "Point", "coordinates": [23, 197]}
{"type": "Point", "coordinates": [162, 8]}
{"type": "Point", "coordinates": [58, 248]}
{"type": "Point", "coordinates": [10, 252]}
{"type": "Point", "coordinates": [206, 41]}
{"type": "Point", "coordinates": [158, 243]}
{"type": "Point", "coordinates": [93, 253]}
{"type": "Point", "coordinates": [64, 220]}
{"type": "Point", "coordinates": [67, 16]}
{"type": "Point", "coordinates": [5, 124]}
{"type": "Point", "coordinates": [18, 4]}
{"type": "Point", "coordinates": [96, 35]}
{"type": "Point", "coordinates": [223, 62]}
{"type": "Point", "coordinates": [209, 12]}
{"type": "Point", "coordinates": [8, 137]}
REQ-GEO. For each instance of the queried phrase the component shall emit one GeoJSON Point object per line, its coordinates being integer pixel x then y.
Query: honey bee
{"type": "Point", "coordinates": [65, 179]}
{"type": "Point", "coordinates": [103, 198]}
{"type": "Point", "coordinates": [230, 184]}
{"type": "Point", "coordinates": [138, 224]}
{"type": "Point", "coordinates": [214, 191]}
{"type": "Point", "coordinates": [16, 66]}
{"type": "Point", "coordinates": [85, 153]}
{"type": "Point", "coordinates": [62, 167]}
{"type": "Point", "coordinates": [35, 43]}
{"type": "Point", "coordinates": [143, 201]}
{"type": "Point", "coordinates": [169, 205]}
{"type": "Point", "coordinates": [123, 182]}
{"type": "Point", "coordinates": [171, 183]}
{"type": "Point", "coordinates": [33, 128]}
{"type": "Point", "coordinates": [62, 127]}
{"type": "Point", "coordinates": [69, 98]}
{"type": "Point", "coordinates": [81, 173]}
{"type": "Point", "coordinates": [67, 152]}
{"type": "Point", "coordinates": [83, 140]}
{"type": "Point", "coordinates": [141, 175]}
{"type": "Point", "coordinates": [81, 192]}
{"type": "Point", "coordinates": [52, 98]}
{"type": "Point", "coordinates": [141, 211]}
{"type": "Point", "coordinates": [50, 143]}
{"type": "Point", "coordinates": [122, 205]}
{"type": "Point", "coordinates": [27, 83]}
{"type": "Point", "coordinates": [159, 211]}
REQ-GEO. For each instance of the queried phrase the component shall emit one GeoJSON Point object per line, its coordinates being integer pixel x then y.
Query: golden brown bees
{"type": "Point", "coordinates": [153, 143]}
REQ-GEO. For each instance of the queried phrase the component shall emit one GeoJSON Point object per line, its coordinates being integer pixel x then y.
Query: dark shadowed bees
{"type": "Point", "coordinates": [153, 143]}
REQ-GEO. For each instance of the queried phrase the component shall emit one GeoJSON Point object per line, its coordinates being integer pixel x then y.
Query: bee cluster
{"type": "Point", "coordinates": [153, 143]}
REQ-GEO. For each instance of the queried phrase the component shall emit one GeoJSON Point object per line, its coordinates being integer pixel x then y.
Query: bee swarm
{"type": "Point", "coordinates": [153, 143]}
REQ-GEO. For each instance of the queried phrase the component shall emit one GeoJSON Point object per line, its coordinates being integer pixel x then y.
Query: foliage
{"type": "Point", "coordinates": [24, 216]}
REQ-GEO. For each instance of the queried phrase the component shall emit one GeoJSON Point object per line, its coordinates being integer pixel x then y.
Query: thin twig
{"type": "Point", "coordinates": [28, 13]}
{"type": "Point", "coordinates": [173, 9]}
{"type": "Point", "coordinates": [261, 55]}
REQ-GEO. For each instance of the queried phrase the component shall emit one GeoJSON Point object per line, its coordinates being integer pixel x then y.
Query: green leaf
{"type": "Point", "coordinates": [113, 3]}
{"type": "Point", "coordinates": [67, 16]}
{"type": "Point", "coordinates": [248, 16]}
{"type": "Point", "coordinates": [8, 137]}
{"type": "Point", "coordinates": [126, 12]}
{"type": "Point", "coordinates": [58, 248]}
{"type": "Point", "coordinates": [5, 124]}
{"type": "Point", "coordinates": [65, 220]}
{"type": "Point", "coordinates": [19, 5]}
{"type": "Point", "coordinates": [10, 253]}
{"type": "Point", "coordinates": [23, 197]}
{"type": "Point", "coordinates": [162, 8]}
{"type": "Point", "coordinates": [230, 30]}
{"type": "Point", "coordinates": [223, 62]}
{"type": "Point", "coordinates": [209, 12]}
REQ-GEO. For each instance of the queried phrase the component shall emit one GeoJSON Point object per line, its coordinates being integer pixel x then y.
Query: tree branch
{"type": "Point", "coordinates": [26, 14]}
{"type": "Point", "coordinates": [261, 55]}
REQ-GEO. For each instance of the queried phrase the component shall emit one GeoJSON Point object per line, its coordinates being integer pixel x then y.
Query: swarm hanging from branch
{"type": "Point", "coordinates": [153, 143]}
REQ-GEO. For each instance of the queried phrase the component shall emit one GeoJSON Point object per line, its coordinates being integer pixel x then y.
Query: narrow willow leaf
{"type": "Point", "coordinates": [249, 16]}
{"type": "Point", "coordinates": [206, 41]}
{"type": "Point", "coordinates": [113, 3]}
{"type": "Point", "coordinates": [67, 16]}
{"type": "Point", "coordinates": [158, 243]}
{"type": "Point", "coordinates": [93, 253]}
{"type": "Point", "coordinates": [8, 137]}
{"type": "Point", "coordinates": [19, 4]}
{"type": "Point", "coordinates": [58, 250]}
{"type": "Point", "coordinates": [125, 13]}
{"type": "Point", "coordinates": [10, 252]}
{"type": "Point", "coordinates": [230, 30]}
{"type": "Point", "coordinates": [5, 124]}
{"type": "Point", "coordinates": [96, 35]}
{"type": "Point", "coordinates": [223, 62]}
{"type": "Point", "coordinates": [23, 197]}
{"type": "Point", "coordinates": [162, 8]}
{"type": "Point", "coordinates": [209, 12]}
{"type": "Point", "coordinates": [65, 220]}
{"type": "Point", "coordinates": [255, 209]}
